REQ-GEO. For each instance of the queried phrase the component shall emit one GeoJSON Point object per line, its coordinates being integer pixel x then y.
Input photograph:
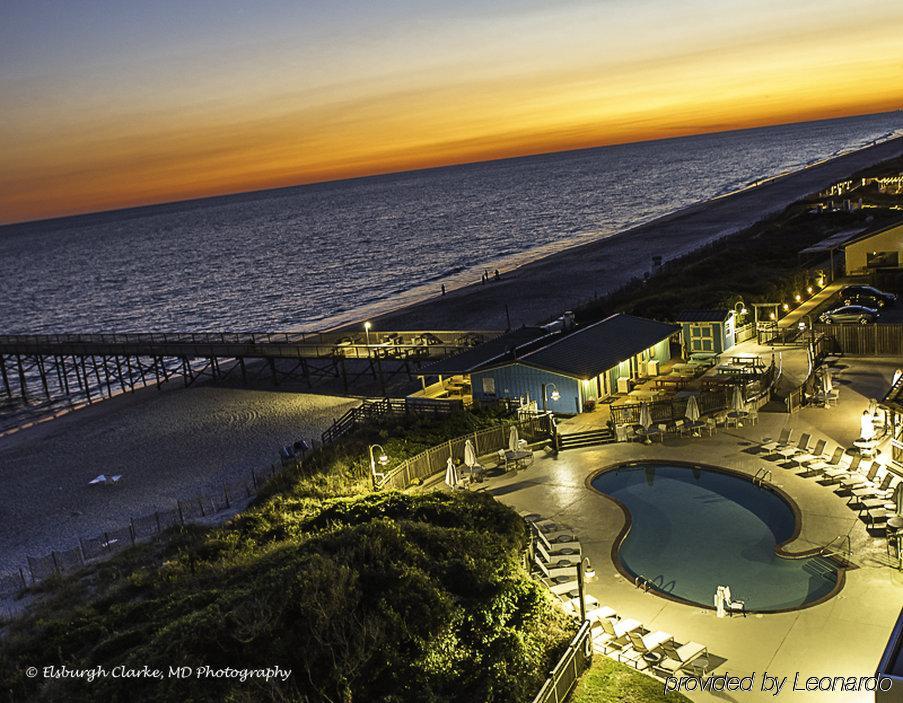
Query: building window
{"type": "Point", "coordinates": [488, 385]}
{"type": "Point", "coordinates": [882, 259]}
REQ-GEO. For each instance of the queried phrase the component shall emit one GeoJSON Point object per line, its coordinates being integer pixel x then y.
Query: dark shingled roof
{"type": "Point", "coordinates": [590, 350]}
{"type": "Point", "coordinates": [717, 315]}
{"type": "Point", "coordinates": [483, 354]}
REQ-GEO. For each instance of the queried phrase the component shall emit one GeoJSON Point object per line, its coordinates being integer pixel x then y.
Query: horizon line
{"type": "Point", "coordinates": [449, 164]}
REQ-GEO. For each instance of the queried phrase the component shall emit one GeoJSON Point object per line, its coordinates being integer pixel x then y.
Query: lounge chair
{"type": "Point", "coordinates": [802, 447]}
{"type": "Point", "coordinates": [641, 644]}
{"type": "Point", "coordinates": [818, 467]}
{"type": "Point", "coordinates": [609, 633]}
{"type": "Point", "coordinates": [837, 474]}
{"type": "Point", "coordinates": [813, 455]}
{"type": "Point", "coordinates": [872, 497]}
{"type": "Point", "coordinates": [858, 478]}
{"type": "Point", "coordinates": [677, 656]}
{"type": "Point", "coordinates": [599, 613]}
{"type": "Point", "coordinates": [772, 445]}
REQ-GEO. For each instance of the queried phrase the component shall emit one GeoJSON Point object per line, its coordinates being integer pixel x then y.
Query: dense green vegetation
{"type": "Point", "coordinates": [761, 264]}
{"type": "Point", "coordinates": [365, 597]}
{"type": "Point", "coordinates": [610, 682]}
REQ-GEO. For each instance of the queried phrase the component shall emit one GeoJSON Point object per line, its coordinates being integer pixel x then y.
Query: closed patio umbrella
{"type": "Point", "coordinates": [646, 416]}
{"type": "Point", "coordinates": [692, 411]}
{"type": "Point", "coordinates": [898, 499]}
{"type": "Point", "coordinates": [451, 474]}
{"type": "Point", "coordinates": [470, 454]}
{"type": "Point", "coordinates": [513, 438]}
{"type": "Point", "coordinates": [827, 383]}
{"type": "Point", "coordinates": [737, 403]}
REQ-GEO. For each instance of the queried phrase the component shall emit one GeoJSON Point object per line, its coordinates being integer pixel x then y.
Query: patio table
{"type": "Point", "coordinates": [648, 434]}
{"type": "Point", "coordinates": [520, 459]}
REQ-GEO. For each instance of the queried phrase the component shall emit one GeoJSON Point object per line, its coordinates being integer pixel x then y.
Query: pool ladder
{"type": "Point", "coordinates": [642, 582]}
{"type": "Point", "coordinates": [762, 477]}
{"type": "Point", "coordinates": [840, 546]}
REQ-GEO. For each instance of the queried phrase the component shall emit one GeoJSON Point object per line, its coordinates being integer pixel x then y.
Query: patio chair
{"type": "Point", "coordinates": [643, 644]}
{"type": "Point", "coordinates": [818, 467]}
{"type": "Point", "coordinates": [769, 445]}
{"type": "Point", "coordinates": [677, 656]}
{"type": "Point", "coordinates": [733, 606]}
{"type": "Point", "coordinates": [609, 633]}
{"type": "Point", "coordinates": [711, 425]}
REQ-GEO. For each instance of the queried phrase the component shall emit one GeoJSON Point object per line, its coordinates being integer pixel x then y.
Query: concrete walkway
{"type": "Point", "coordinates": [843, 636]}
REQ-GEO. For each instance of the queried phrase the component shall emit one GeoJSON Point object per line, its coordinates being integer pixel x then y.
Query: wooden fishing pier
{"type": "Point", "coordinates": [93, 365]}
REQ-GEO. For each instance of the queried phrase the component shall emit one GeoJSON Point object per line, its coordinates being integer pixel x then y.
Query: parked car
{"type": "Point", "coordinates": [867, 296]}
{"type": "Point", "coordinates": [850, 313]}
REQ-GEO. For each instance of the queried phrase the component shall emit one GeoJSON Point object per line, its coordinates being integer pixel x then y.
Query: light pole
{"type": "Point", "coordinates": [367, 326]}
{"type": "Point", "coordinates": [382, 459]}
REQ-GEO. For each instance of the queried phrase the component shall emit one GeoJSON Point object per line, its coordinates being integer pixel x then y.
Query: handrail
{"type": "Point", "coordinates": [762, 476]}
{"type": "Point", "coordinates": [843, 539]}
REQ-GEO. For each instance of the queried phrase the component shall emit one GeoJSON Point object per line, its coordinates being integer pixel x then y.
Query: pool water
{"type": "Point", "coordinates": [693, 529]}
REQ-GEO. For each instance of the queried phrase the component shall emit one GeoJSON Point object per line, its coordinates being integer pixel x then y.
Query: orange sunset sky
{"type": "Point", "coordinates": [105, 106]}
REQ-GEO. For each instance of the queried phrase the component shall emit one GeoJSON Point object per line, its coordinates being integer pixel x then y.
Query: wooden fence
{"type": "Point", "coordinates": [671, 408]}
{"type": "Point", "coordinates": [435, 459]}
{"type": "Point", "coordinates": [864, 340]}
{"type": "Point", "coordinates": [371, 409]}
{"type": "Point", "coordinates": [577, 658]}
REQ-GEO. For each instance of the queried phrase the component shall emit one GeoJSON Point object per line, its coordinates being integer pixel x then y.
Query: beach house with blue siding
{"type": "Point", "coordinates": [707, 331]}
{"type": "Point", "coordinates": [565, 372]}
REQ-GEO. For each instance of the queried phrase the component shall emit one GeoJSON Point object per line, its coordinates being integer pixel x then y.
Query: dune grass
{"type": "Point", "coordinates": [365, 596]}
{"type": "Point", "coordinates": [607, 681]}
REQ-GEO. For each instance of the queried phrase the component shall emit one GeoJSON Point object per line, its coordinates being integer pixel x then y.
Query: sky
{"type": "Point", "coordinates": [107, 104]}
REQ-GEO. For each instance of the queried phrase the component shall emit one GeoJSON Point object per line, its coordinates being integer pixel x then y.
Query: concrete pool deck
{"type": "Point", "coordinates": [843, 636]}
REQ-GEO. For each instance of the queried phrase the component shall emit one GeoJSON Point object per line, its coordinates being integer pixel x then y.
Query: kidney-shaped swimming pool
{"type": "Point", "coordinates": [692, 529]}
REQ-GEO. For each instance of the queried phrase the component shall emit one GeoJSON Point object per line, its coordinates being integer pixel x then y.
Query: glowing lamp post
{"type": "Point", "coordinates": [367, 326]}
{"type": "Point", "coordinates": [381, 458]}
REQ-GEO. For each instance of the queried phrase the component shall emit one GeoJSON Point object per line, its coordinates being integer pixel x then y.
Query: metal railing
{"type": "Point", "coordinates": [576, 659]}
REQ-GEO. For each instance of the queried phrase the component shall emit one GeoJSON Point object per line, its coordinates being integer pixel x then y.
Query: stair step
{"type": "Point", "coordinates": [589, 438]}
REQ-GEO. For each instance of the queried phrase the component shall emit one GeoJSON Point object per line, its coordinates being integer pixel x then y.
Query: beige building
{"type": "Point", "coordinates": [882, 249]}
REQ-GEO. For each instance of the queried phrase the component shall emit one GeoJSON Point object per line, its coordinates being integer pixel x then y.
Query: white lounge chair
{"type": "Point", "coordinates": [837, 474]}
{"type": "Point", "coordinates": [802, 447]}
{"type": "Point", "coordinates": [641, 644]}
{"type": "Point", "coordinates": [770, 445]}
{"type": "Point", "coordinates": [816, 454]}
{"type": "Point", "coordinates": [609, 633]}
{"type": "Point", "coordinates": [863, 477]}
{"type": "Point", "coordinates": [677, 656]}
{"type": "Point", "coordinates": [818, 467]}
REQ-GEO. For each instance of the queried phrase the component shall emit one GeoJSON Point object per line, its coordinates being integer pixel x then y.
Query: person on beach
{"type": "Point", "coordinates": [496, 274]}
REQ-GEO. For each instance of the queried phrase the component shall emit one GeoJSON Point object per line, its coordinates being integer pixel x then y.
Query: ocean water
{"type": "Point", "coordinates": [313, 256]}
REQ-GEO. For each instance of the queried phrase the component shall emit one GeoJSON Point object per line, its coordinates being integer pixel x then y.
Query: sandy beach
{"type": "Point", "coordinates": [543, 289]}
{"type": "Point", "coordinates": [178, 443]}
{"type": "Point", "coordinates": [167, 445]}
